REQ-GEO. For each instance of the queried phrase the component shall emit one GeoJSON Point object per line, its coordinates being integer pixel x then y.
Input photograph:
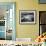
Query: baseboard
{"type": "Point", "coordinates": [24, 39]}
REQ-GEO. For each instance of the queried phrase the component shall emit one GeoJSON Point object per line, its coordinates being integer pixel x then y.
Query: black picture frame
{"type": "Point", "coordinates": [42, 22]}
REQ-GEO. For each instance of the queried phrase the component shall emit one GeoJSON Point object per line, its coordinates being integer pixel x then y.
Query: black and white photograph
{"type": "Point", "coordinates": [27, 17]}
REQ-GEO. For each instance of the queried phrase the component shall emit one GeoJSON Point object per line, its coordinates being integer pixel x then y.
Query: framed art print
{"type": "Point", "coordinates": [7, 20]}
{"type": "Point", "coordinates": [27, 17]}
{"type": "Point", "coordinates": [42, 22]}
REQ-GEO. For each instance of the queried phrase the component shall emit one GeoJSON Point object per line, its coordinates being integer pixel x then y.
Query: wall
{"type": "Point", "coordinates": [28, 31]}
